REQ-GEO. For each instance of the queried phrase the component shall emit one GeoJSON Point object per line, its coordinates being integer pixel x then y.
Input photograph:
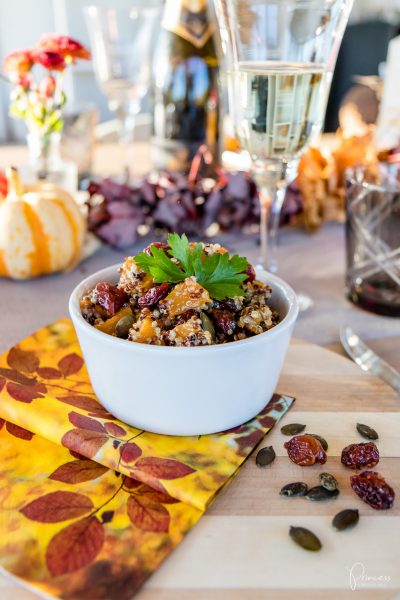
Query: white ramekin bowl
{"type": "Point", "coordinates": [185, 391]}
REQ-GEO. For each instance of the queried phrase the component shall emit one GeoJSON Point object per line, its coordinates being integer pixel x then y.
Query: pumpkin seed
{"type": "Point", "coordinates": [305, 538]}
{"type": "Point", "coordinates": [328, 481]}
{"type": "Point", "coordinates": [207, 324]}
{"type": "Point", "coordinates": [298, 488]}
{"type": "Point", "coordinates": [292, 429]}
{"type": "Point", "coordinates": [367, 432]}
{"type": "Point", "coordinates": [319, 493]}
{"type": "Point", "coordinates": [123, 326]}
{"type": "Point", "coordinates": [345, 519]}
{"type": "Point", "coordinates": [321, 440]}
{"type": "Point", "coordinates": [265, 456]}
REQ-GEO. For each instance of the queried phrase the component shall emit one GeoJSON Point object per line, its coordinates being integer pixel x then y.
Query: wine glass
{"type": "Point", "coordinates": [122, 42]}
{"type": "Point", "coordinates": [282, 55]}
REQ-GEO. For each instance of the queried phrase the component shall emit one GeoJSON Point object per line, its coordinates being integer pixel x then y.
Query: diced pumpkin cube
{"type": "Point", "coordinates": [109, 325]}
{"type": "Point", "coordinates": [188, 295]}
{"type": "Point", "coordinates": [146, 283]}
{"type": "Point", "coordinates": [144, 330]}
{"type": "Point", "coordinates": [189, 333]}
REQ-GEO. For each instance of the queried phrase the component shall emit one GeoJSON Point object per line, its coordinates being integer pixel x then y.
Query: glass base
{"type": "Point", "coordinates": [305, 302]}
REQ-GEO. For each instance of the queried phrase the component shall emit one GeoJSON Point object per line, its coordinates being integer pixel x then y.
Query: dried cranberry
{"type": "Point", "coordinates": [153, 295]}
{"type": "Point", "coordinates": [160, 245]}
{"type": "Point", "coordinates": [371, 487]}
{"type": "Point", "coordinates": [224, 321]}
{"type": "Point", "coordinates": [250, 272]}
{"type": "Point", "coordinates": [109, 297]}
{"type": "Point", "coordinates": [227, 304]}
{"type": "Point", "coordinates": [359, 456]}
{"type": "Point", "coordinates": [305, 450]}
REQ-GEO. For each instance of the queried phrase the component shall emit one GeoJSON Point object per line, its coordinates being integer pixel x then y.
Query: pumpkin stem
{"type": "Point", "coordinates": [15, 188]}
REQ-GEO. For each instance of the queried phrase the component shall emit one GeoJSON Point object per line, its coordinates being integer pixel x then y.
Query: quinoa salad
{"type": "Point", "coordinates": [181, 294]}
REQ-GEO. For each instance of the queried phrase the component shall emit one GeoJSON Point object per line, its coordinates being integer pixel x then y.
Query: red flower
{"type": "Point", "coordinates": [49, 60]}
{"type": "Point", "coordinates": [69, 49]}
{"type": "Point", "coordinates": [18, 63]}
{"type": "Point", "coordinates": [3, 185]}
{"type": "Point", "coordinates": [25, 81]}
{"type": "Point", "coordinates": [47, 86]}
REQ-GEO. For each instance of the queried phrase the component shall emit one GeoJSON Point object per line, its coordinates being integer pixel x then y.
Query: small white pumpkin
{"type": "Point", "coordinates": [41, 229]}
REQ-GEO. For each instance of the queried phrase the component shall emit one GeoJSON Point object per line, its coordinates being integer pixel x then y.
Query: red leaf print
{"type": "Point", "coordinates": [84, 441]}
{"type": "Point", "coordinates": [22, 360]}
{"type": "Point", "coordinates": [101, 413]}
{"type": "Point", "coordinates": [130, 452]}
{"type": "Point", "coordinates": [148, 516]}
{"type": "Point", "coordinates": [85, 422]}
{"type": "Point", "coordinates": [131, 484]}
{"type": "Point", "coordinates": [114, 429]}
{"type": "Point", "coordinates": [19, 432]}
{"type": "Point", "coordinates": [163, 468]}
{"type": "Point", "coordinates": [2, 421]}
{"type": "Point", "coordinates": [78, 471]}
{"type": "Point", "coordinates": [17, 377]}
{"type": "Point", "coordinates": [2, 383]}
{"type": "Point", "coordinates": [82, 402]}
{"type": "Point", "coordinates": [70, 364]}
{"type": "Point", "coordinates": [75, 546]}
{"type": "Point", "coordinates": [77, 455]}
{"type": "Point", "coordinates": [49, 373]}
{"type": "Point", "coordinates": [249, 441]}
{"type": "Point", "coordinates": [267, 422]}
{"type": "Point", "coordinates": [22, 393]}
{"type": "Point", "coordinates": [151, 495]}
{"type": "Point", "coordinates": [57, 506]}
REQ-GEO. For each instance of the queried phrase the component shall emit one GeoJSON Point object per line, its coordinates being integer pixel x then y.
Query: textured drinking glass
{"type": "Point", "coordinates": [282, 55]}
{"type": "Point", "coordinates": [122, 42]}
{"type": "Point", "coordinates": [373, 238]}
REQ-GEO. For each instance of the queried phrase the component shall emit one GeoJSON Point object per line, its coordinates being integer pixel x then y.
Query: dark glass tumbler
{"type": "Point", "coordinates": [373, 237]}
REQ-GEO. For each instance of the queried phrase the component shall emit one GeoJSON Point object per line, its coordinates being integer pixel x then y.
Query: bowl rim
{"type": "Point", "coordinates": [109, 272]}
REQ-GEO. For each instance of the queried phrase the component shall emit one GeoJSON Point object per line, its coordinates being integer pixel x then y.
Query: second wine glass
{"type": "Point", "coordinates": [122, 43]}
{"type": "Point", "coordinates": [283, 53]}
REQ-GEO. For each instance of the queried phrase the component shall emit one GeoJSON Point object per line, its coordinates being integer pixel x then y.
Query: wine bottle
{"type": "Point", "coordinates": [186, 104]}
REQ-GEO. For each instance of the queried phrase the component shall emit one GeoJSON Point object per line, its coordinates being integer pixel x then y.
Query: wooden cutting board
{"type": "Point", "coordinates": [241, 550]}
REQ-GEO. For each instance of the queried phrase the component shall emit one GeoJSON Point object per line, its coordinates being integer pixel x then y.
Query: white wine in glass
{"type": "Point", "coordinates": [282, 55]}
{"type": "Point", "coordinates": [283, 106]}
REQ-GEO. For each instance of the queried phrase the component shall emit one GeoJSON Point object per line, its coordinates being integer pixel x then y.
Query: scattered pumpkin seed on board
{"type": "Point", "coordinates": [319, 493]}
{"type": "Point", "coordinates": [292, 429]}
{"type": "Point", "coordinates": [328, 481]}
{"type": "Point", "coordinates": [265, 456]}
{"type": "Point", "coordinates": [305, 538]}
{"type": "Point", "coordinates": [345, 519]}
{"type": "Point", "coordinates": [297, 488]}
{"type": "Point", "coordinates": [367, 432]}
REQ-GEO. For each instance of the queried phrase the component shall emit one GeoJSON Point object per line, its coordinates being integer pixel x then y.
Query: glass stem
{"type": "Point", "coordinates": [271, 180]}
{"type": "Point", "coordinates": [276, 210]}
{"type": "Point", "coordinates": [126, 128]}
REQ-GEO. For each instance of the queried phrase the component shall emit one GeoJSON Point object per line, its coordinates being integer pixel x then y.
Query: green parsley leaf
{"type": "Point", "coordinates": [180, 249]}
{"type": "Point", "coordinates": [221, 275]}
{"type": "Point", "coordinates": [159, 266]}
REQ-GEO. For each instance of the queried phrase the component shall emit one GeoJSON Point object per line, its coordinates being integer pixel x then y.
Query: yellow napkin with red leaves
{"type": "Point", "coordinates": [89, 506]}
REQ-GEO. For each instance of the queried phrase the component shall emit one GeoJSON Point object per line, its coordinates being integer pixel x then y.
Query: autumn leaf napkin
{"type": "Point", "coordinates": [89, 507]}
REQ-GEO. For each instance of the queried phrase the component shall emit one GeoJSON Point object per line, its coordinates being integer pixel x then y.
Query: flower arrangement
{"type": "Point", "coordinates": [40, 103]}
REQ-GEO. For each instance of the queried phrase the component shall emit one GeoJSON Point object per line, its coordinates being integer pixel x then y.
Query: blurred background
{"type": "Point", "coordinates": [373, 24]}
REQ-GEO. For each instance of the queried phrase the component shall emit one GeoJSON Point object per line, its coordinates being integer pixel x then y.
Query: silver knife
{"type": "Point", "coordinates": [367, 359]}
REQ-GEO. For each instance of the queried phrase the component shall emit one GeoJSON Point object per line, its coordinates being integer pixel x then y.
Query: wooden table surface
{"type": "Point", "coordinates": [240, 549]}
